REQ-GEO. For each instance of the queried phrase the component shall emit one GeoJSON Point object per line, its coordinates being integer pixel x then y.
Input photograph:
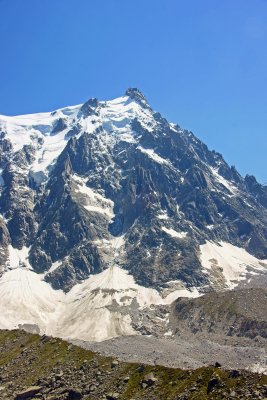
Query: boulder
{"type": "Point", "coordinates": [28, 393]}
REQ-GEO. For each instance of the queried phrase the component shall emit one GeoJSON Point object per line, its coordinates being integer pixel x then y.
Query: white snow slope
{"type": "Point", "coordinates": [91, 310]}
{"type": "Point", "coordinates": [228, 263]}
{"type": "Point", "coordinates": [37, 130]}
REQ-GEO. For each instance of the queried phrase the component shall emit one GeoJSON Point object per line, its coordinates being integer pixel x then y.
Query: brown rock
{"type": "Point", "coordinates": [28, 393]}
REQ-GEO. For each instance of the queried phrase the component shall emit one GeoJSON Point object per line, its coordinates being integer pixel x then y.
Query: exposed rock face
{"type": "Point", "coordinates": [233, 313]}
{"type": "Point", "coordinates": [4, 242]}
{"type": "Point", "coordinates": [113, 182]}
{"type": "Point", "coordinates": [259, 191]}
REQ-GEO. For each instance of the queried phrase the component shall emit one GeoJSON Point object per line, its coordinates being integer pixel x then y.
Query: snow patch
{"type": "Point", "coordinates": [154, 156]}
{"type": "Point", "coordinates": [163, 216]}
{"type": "Point", "coordinates": [176, 289]}
{"type": "Point", "coordinates": [210, 227]}
{"type": "Point", "coordinates": [53, 267]}
{"type": "Point", "coordinates": [18, 258]}
{"type": "Point", "coordinates": [191, 294]}
{"type": "Point", "coordinates": [173, 233]}
{"type": "Point", "coordinates": [47, 154]}
{"type": "Point", "coordinates": [228, 185]}
{"type": "Point", "coordinates": [229, 262]}
{"type": "Point", "coordinates": [94, 201]}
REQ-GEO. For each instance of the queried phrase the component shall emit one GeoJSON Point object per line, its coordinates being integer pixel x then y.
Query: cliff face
{"type": "Point", "coordinates": [107, 183]}
{"type": "Point", "coordinates": [108, 209]}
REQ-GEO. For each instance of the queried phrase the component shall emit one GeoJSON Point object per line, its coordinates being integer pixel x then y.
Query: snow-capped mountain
{"type": "Point", "coordinates": [107, 207]}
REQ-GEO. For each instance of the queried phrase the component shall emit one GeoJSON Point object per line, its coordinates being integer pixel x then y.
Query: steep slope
{"type": "Point", "coordinates": [105, 305]}
{"type": "Point", "coordinates": [232, 313]}
{"type": "Point", "coordinates": [81, 179]}
{"type": "Point", "coordinates": [112, 186]}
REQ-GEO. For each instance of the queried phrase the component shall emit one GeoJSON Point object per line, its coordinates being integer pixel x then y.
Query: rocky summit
{"type": "Point", "coordinates": [107, 209]}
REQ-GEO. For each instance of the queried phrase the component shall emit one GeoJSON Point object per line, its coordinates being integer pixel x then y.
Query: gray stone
{"type": "Point", "coordinates": [112, 396]}
{"type": "Point", "coordinates": [114, 363]}
{"type": "Point", "coordinates": [28, 393]}
{"type": "Point", "coordinates": [149, 379]}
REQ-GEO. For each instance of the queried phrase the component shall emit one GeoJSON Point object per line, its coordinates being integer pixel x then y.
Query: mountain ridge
{"type": "Point", "coordinates": [112, 184]}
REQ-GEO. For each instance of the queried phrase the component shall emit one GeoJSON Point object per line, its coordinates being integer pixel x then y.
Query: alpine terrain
{"type": "Point", "coordinates": [109, 214]}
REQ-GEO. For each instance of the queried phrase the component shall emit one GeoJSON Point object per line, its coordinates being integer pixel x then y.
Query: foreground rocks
{"type": "Point", "coordinates": [34, 367]}
{"type": "Point", "coordinates": [28, 393]}
{"type": "Point", "coordinates": [187, 351]}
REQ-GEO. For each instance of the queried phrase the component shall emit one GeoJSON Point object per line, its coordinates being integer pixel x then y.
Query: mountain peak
{"type": "Point", "coordinates": [137, 95]}
{"type": "Point", "coordinates": [89, 107]}
{"type": "Point", "coordinates": [107, 200]}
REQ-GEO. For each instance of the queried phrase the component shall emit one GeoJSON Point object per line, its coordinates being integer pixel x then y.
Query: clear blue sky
{"type": "Point", "coordinates": [202, 64]}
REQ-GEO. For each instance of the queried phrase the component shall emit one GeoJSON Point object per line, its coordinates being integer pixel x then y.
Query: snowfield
{"type": "Point", "coordinates": [38, 130]}
{"type": "Point", "coordinates": [96, 309]}
{"type": "Point", "coordinates": [94, 201]}
{"type": "Point", "coordinates": [90, 311]}
{"type": "Point", "coordinates": [230, 263]}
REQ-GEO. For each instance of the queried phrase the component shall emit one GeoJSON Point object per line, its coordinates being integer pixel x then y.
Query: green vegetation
{"type": "Point", "coordinates": [30, 360]}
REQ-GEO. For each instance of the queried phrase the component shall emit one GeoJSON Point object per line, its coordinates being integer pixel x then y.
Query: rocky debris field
{"type": "Point", "coordinates": [40, 367]}
{"type": "Point", "coordinates": [229, 327]}
{"type": "Point", "coordinates": [187, 351]}
{"type": "Point", "coordinates": [238, 313]}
